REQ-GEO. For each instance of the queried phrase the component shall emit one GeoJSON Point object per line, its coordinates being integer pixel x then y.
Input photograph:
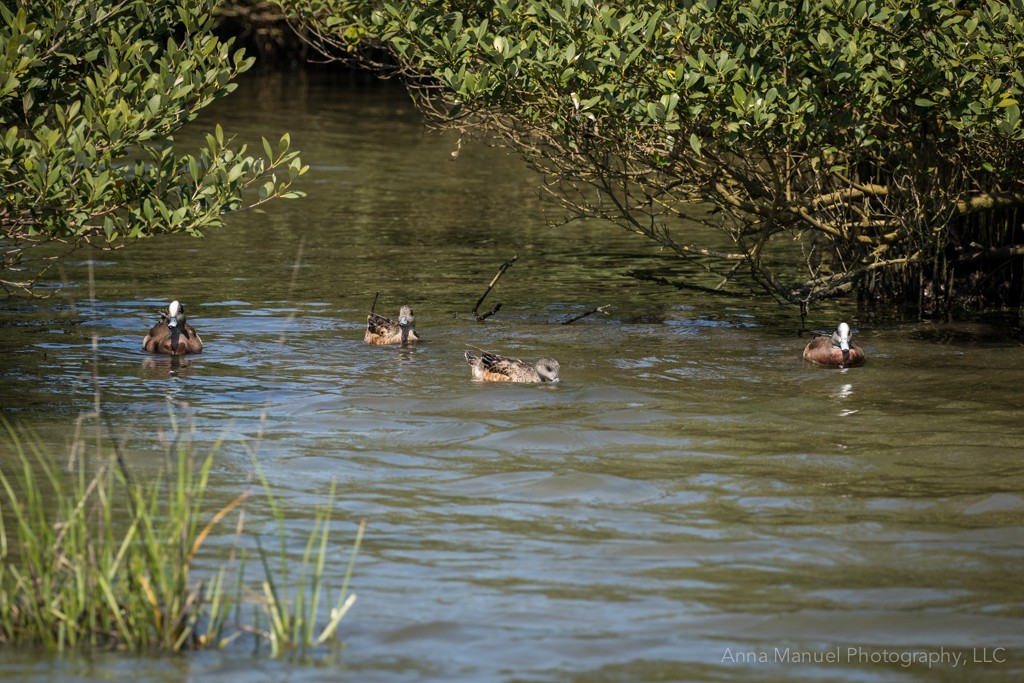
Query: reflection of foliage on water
{"type": "Point", "coordinates": [91, 556]}
{"type": "Point", "coordinates": [882, 141]}
{"type": "Point", "coordinates": [262, 29]}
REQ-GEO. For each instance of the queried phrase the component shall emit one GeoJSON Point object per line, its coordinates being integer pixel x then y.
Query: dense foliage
{"type": "Point", "coordinates": [871, 145]}
{"type": "Point", "coordinates": [91, 93]}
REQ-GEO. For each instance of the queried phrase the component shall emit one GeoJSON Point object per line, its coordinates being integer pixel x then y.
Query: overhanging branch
{"type": "Point", "coordinates": [988, 201]}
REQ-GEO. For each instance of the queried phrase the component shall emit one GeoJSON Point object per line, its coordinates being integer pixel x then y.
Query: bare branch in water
{"type": "Point", "coordinates": [373, 306]}
{"type": "Point", "coordinates": [640, 275]}
{"type": "Point", "coordinates": [497, 307]}
{"type": "Point", "coordinates": [480, 317]}
{"type": "Point", "coordinates": [599, 309]}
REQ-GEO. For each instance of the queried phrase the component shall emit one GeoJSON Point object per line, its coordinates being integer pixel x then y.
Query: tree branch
{"type": "Point", "coordinates": [501, 271]}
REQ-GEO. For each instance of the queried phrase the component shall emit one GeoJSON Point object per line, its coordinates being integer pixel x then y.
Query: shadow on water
{"type": "Point", "coordinates": [692, 501]}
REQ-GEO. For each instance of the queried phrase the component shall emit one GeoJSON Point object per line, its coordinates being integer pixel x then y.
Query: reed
{"type": "Point", "coordinates": [91, 557]}
{"type": "Point", "coordinates": [292, 621]}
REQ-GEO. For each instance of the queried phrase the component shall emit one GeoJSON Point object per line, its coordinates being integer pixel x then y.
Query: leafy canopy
{"type": "Point", "coordinates": [866, 133]}
{"type": "Point", "coordinates": [91, 93]}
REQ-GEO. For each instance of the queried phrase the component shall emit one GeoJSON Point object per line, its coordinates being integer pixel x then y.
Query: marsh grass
{"type": "Point", "coordinates": [92, 557]}
{"type": "Point", "coordinates": [292, 622]}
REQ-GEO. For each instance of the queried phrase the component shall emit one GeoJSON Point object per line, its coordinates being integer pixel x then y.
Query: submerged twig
{"type": "Point", "coordinates": [497, 307]}
{"type": "Point", "coordinates": [480, 317]}
{"type": "Point", "coordinates": [639, 275]}
{"type": "Point", "coordinates": [598, 309]}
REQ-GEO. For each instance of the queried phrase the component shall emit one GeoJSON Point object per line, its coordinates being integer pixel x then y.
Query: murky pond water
{"type": "Point", "coordinates": [691, 502]}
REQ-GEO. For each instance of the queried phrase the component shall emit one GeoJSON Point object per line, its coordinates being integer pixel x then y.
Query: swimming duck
{"type": "Point", "coordinates": [172, 335]}
{"type": "Point", "coordinates": [837, 350]}
{"type": "Point", "coordinates": [490, 367]}
{"type": "Point", "coordinates": [381, 330]}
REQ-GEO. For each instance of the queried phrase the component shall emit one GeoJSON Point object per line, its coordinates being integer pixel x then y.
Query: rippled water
{"type": "Point", "coordinates": [691, 502]}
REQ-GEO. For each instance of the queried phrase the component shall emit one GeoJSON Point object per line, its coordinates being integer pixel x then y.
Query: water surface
{"type": "Point", "coordinates": [691, 502]}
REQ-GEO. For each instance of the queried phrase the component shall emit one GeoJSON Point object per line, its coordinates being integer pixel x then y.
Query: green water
{"type": "Point", "coordinates": [691, 502]}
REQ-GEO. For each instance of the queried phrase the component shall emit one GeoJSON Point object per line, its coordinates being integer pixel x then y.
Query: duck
{"type": "Point", "coordinates": [836, 350]}
{"type": "Point", "coordinates": [490, 367]}
{"type": "Point", "coordinates": [381, 330]}
{"type": "Point", "coordinates": [172, 335]}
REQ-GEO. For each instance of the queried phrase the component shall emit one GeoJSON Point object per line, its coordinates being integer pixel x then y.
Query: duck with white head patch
{"type": "Point", "coordinates": [837, 350]}
{"type": "Point", "coordinates": [172, 335]}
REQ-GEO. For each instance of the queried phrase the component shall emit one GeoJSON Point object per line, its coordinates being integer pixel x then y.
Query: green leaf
{"type": "Point", "coordinates": [695, 143]}
{"type": "Point", "coordinates": [739, 96]}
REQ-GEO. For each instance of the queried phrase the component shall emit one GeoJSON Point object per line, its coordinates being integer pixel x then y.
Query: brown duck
{"type": "Point", "coordinates": [381, 330]}
{"type": "Point", "coordinates": [172, 335]}
{"type": "Point", "coordinates": [837, 350]}
{"type": "Point", "coordinates": [490, 367]}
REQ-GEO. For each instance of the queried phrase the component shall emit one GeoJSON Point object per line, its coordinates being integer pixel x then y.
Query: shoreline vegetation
{"type": "Point", "coordinates": [93, 557]}
{"type": "Point", "coordinates": [867, 150]}
{"type": "Point", "coordinates": [850, 165]}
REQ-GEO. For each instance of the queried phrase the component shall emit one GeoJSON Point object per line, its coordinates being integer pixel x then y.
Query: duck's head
{"type": "Point", "coordinates": [176, 316]}
{"type": "Point", "coordinates": [406, 321]}
{"type": "Point", "coordinates": [547, 368]}
{"type": "Point", "coordinates": [406, 318]}
{"type": "Point", "coordinates": [841, 338]}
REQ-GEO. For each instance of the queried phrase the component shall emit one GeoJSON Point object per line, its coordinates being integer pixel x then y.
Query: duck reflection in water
{"type": "Point", "coordinates": [167, 366]}
{"type": "Point", "coordinates": [837, 350]}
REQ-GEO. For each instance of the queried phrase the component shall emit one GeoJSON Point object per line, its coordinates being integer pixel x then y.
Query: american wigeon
{"type": "Point", "coordinates": [381, 330]}
{"type": "Point", "coordinates": [172, 335]}
{"type": "Point", "coordinates": [837, 350]}
{"type": "Point", "coordinates": [490, 367]}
